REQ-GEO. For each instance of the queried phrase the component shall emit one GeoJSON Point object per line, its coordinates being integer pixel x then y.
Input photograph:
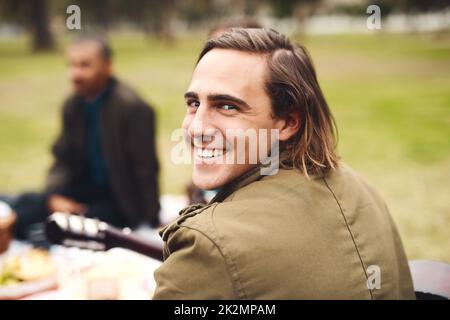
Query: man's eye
{"type": "Point", "coordinates": [193, 104]}
{"type": "Point", "coordinates": [229, 107]}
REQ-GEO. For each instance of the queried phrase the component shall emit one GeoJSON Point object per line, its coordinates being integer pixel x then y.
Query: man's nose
{"type": "Point", "coordinates": [202, 127]}
{"type": "Point", "coordinates": [75, 72]}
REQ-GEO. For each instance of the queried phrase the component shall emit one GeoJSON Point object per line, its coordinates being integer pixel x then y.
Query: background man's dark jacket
{"type": "Point", "coordinates": [127, 132]}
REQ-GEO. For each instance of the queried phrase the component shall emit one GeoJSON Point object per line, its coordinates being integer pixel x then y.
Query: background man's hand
{"type": "Point", "coordinates": [64, 204]}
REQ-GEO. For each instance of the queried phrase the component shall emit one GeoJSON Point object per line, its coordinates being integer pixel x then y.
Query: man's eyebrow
{"type": "Point", "coordinates": [190, 94]}
{"type": "Point", "coordinates": [219, 97]}
{"type": "Point", "coordinates": [227, 97]}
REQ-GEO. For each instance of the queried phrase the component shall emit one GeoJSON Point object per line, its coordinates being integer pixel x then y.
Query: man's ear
{"type": "Point", "coordinates": [289, 126]}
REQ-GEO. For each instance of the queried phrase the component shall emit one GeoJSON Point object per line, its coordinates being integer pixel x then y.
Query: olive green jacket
{"type": "Point", "coordinates": [283, 236]}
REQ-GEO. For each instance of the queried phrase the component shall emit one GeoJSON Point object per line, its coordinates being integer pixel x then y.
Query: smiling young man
{"type": "Point", "coordinates": [310, 228]}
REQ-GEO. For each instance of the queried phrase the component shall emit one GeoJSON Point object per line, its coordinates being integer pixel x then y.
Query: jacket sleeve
{"type": "Point", "coordinates": [144, 161]}
{"type": "Point", "coordinates": [60, 173]}
{"type": "Point", "coordinates": [195, 269]}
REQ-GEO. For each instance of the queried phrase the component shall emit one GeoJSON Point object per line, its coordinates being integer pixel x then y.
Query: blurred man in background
{"type": "Point", "coordinates": [105, 163]}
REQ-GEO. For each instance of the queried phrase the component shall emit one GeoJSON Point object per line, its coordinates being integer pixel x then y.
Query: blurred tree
{"type": "Point", "coordinates": [286, 8]}
{"type": "Point", "coordinates": [162, 13]}
{"type": "Point", "coordinates": [34, 15]}
{"type": "Point", "coordinates": [196, 11]}
{"type": "Point", "coordinates": [40, 24]}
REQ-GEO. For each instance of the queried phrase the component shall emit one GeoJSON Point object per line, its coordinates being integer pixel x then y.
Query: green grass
{"type": "Point", "coordinates": [390, 95]}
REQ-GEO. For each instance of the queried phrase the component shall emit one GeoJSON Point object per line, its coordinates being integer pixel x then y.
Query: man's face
{"type": "Point", "coordinates": [89, 70]}
{"type": "Point", "coordinates": [226, 92]}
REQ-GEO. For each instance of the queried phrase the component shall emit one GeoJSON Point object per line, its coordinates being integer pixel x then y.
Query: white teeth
{"type": "Point", "coordinates": [209, 153]}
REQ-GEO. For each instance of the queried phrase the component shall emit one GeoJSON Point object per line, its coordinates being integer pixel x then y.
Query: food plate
{"type": "Point", "coordinates": [23, 289]}
{"type": "Point", "coordinates": [31, 272]}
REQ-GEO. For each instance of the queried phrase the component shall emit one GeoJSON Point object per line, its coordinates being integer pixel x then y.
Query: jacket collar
{"type": "Point", "coordinates": [250, 176]}
{"type": "Point", "coordinates": [224, 192]}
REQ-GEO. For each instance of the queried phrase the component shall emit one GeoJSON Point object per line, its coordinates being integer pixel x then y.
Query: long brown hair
{"type": "Point", "coordinates": [292, 87]}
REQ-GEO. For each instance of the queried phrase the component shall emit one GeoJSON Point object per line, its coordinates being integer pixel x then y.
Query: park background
{"type": "Point", "coordinates": [389, 89]}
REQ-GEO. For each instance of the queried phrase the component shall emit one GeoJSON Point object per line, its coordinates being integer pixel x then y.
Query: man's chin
{"type": "Point", "coordinates": [211, 178]}
{"type": "Point", "coordinates": [79, 91]}
{"type": "Point", "coordinates": [206, 185]}
{"type": "Point", "coordinates": [208, 181]}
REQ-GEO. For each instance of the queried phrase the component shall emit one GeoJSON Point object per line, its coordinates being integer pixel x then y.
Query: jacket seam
{"type": "Point", "coordinates": [350, 232]}
{"type": "Point", "coordinates": [237, 284]}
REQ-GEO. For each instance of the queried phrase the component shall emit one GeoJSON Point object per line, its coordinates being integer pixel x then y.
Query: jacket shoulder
{"type": "Point", "coordinates": [129, 98]}
{"type": "Point", "coordinates": [195, 266]}
{"type": "Point", "coordinates": [71, 104]}
{"type": "Point", "coordinates": [193, 218]}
